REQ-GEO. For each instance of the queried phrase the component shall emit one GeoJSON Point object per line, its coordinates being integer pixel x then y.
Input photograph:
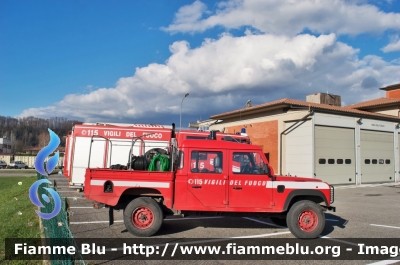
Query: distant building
{"type": "Point", "coordinates": [202, 125]}
{"type": "Point", "coordinates": [35, 150]}
{"type": "Point", "coordinates": [5, 146]}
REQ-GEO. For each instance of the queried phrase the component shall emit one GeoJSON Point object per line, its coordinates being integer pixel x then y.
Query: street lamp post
{"type": "Point", "coordinates": [187, 94]}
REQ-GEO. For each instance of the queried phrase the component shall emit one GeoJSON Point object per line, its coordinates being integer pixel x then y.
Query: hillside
{"type": "Point", "coordinates": [32, 132]}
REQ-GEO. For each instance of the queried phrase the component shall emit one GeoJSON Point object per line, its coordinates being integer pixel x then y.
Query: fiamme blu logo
{"type": "Point", "coordinates": [50, 166]}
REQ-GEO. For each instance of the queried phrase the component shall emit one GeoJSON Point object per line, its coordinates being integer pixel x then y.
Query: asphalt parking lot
{"type": "Point", "coordinates": [366, 211]}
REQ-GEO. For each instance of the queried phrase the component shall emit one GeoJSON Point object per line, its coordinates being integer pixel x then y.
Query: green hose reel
{"type": "Point", "coordinates": [163, 163]}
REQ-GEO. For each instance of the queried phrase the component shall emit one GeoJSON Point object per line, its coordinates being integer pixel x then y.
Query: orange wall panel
{"type": "Point", "coordinates": [393, 94]}
{"type": "Point", "coordinates": [264, 134]}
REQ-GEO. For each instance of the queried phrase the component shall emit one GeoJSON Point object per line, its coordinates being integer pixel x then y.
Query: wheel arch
{"type": "Point", "coordinates": [141, 192]}
{"type": "Point", "coordinates": [299, 195]}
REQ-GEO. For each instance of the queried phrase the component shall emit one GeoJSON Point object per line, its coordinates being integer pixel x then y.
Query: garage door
{"type": "Point", "coordinates": [334, 155]}
{"type": "Point", "coordinates": [377, 156]}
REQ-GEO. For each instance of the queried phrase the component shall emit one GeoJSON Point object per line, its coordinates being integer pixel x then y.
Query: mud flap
{"type": "Point", "coordinates": [110, 216]}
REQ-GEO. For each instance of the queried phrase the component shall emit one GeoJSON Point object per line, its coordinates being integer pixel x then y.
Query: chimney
{"type": "Point", "coordinates": [324, 98]}
{"type": "Point", "coordinates": [392, 91]}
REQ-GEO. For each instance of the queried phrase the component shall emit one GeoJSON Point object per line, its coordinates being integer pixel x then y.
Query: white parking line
{"type": "Point", "coordinates": [367, 185]}
{"type": "Point", "coordinates": [262, 222]}
{"type": "Point", "coordinates": [208, 217]}
{"type": "Point", "coordinates": [262, 235]}
{"type": "Point", "coordinates": [119, 221]}
{"type": "Point", "coordinates": [388, 261]}
{"type": "Point", "coordinates": [93, 222]}
{"type": "Point", "coordinates": [388, 226]}
{"type": "Point", "coordinates": [339, 240]}
{"type": "Point", "coordinates": [219, 239]}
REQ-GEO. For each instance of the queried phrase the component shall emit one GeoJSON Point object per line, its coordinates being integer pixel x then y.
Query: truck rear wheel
{"type": "Point", "coordinates": [305, 219]}
{"type": "Point", "coordinates": [143, 217]}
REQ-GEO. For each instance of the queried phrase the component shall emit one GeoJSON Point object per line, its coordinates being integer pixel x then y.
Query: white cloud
{"type": "Point", "coordinates": [222, 74]}
{"type": "Point", "coordinates": [288, 17]}
{"type": "Point", "coordinates": [393, 46]}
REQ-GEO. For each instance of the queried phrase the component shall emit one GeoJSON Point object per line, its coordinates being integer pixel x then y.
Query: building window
{"type": "Point", "coordinates": [322, 161]}
{"type": "Point", "coordinates": [367, 161]}
{"type": "Point", "coordinates": [374, 161]}
{"type": "Point", "coordinates": [381, 161]}
{"type": "Point", "coordinates": [331, 161]}
{"type": "Point", "coordinates": [339, 161]}
{"type": "Point", "coordinates": [267, 157]}
{"type": "Point", "coordinates": [387, 161]}
{"type": "Point", "coordinates": [347, 161]}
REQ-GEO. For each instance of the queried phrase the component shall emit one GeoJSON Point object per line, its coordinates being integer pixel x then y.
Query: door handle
{"type": "Point", "coordinates": [196, 187]}
{"type": "Point", "coordinates": [237, 188]}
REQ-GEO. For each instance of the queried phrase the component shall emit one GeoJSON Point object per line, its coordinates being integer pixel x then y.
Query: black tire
{"type": "Point", "coordinates": [306, 219]}
{"type": "Point", "coordinates": [26, 167]}
{"type": "Point", "coordinates": [143, 217]}
{"type": "Point", "coordinates": [16, 167]}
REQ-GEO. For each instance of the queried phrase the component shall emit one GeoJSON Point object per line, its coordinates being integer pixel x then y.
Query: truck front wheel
{"type": "Point", "coordinates": [143, 217]}
{"type": "Point", "coordinates": [305, 219]}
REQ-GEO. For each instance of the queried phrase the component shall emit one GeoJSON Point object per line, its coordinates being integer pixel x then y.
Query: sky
{"type": "Point", "coordinates": [134, 61]}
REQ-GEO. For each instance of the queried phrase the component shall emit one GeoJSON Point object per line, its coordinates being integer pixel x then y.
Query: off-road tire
{"type": "Point", "coordinates": [305, 219]}
{"type": "Point", "coordinates": [143, 217]}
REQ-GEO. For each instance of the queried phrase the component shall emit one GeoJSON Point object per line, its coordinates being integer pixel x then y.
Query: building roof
{"type": "Point", "coordinates": [285, 102]}
{"type": "Point", "coordinates": [391, 87]}
{"type": "Point", "coordinates": [36, 148]}
{"type": "Point", "coordinates": [379, 102]}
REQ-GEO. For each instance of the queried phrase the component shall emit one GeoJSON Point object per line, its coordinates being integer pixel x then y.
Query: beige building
{"type": "Point", "coordinates": [318, 138]}
{"type": "Point", "coordinates": [5, 146]}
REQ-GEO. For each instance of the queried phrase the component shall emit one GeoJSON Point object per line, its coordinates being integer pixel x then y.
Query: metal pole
{"type": "Point", "coordinates": [187, 94]}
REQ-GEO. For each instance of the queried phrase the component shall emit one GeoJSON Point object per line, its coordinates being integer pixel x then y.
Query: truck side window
{"type": "Point", "coordinates": [206, 162]}
{"type": "Point", "coordinates": [180, 159]}
{"type": "Point", "coordinates": [247, 163]}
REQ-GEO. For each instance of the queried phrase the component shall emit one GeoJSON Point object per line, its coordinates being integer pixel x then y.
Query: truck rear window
{"type": "Point", "coordinates": [206, 162]}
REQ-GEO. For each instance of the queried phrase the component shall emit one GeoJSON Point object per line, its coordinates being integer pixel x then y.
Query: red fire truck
{"type": "Point", "coordinates": [237, 179]}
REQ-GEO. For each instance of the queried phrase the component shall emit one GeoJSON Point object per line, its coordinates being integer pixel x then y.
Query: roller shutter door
{"type": "Point", "coordinates": [334, 155]}
{"type": "Point", "coordinates": [377, 156]}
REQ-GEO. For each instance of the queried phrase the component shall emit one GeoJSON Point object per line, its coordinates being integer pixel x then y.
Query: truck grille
{"type": "Point", "coordinates": [332, 193]}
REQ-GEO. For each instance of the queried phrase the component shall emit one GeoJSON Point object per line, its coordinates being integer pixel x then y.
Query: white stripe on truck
{"type": "Point", "coordinates": [132, 184]}
{"type": "Point", "coordinates": [298, 185]}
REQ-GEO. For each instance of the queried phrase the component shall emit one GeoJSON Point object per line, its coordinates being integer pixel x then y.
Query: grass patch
{"type": "Point", "coordinates": [22, 170]}
{"type": "Point", "coordinates": [14, 198]}
{"type": "Point", "coordinates": [13, 172]}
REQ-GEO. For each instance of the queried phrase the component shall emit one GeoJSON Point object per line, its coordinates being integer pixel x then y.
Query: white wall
{"type": "Point", "coordinates": [299, 150]}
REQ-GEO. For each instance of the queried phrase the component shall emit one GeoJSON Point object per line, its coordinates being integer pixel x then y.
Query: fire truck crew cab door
{"type": "Point", "coordinates": [247, 182]}
{"type": "Point", "coordinates": [207, 178]}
